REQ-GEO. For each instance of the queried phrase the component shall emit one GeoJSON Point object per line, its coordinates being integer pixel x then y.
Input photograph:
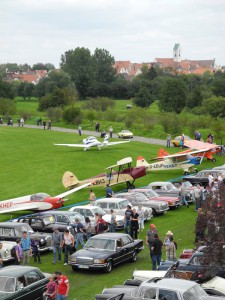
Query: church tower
{"type": "Point", "coordinates": [177, 52]}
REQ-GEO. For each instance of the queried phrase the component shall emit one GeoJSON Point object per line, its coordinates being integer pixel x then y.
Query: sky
{"type": "Point", "coordinates": [33, 31]}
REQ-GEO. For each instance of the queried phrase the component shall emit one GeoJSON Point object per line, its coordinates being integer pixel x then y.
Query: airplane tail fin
{"type": "Point", "coordinates": [141, 162]}
{"type": "Point", "coordinates": [162, 152]}
{"type": "Point", "coordinates": [69, 180]}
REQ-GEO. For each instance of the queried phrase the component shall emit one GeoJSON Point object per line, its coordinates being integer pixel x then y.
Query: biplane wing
{"type": "Point", "coordinates": [124, 161]}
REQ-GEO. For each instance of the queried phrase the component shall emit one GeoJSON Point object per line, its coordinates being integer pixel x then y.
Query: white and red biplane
{"type": "Point", "coordinates": [91, 141]}
{"type": "Point", "coordinates": [36, 202]}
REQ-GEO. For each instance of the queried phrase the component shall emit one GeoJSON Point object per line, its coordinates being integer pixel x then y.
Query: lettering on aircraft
{"type": "Point", "coordinates": [100, 181]}
{"type": "Point", "coordinates": [162, 166]}
{"type": "Point", "coordinates": [6, 205]}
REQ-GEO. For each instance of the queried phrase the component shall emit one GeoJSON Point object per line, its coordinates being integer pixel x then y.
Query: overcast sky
{"type": "Point", "coordinates": [33, 31]}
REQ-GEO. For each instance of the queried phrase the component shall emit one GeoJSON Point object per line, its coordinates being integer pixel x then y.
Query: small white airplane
{"type": "Point", "coordinates": [37, 202]}
{"type": "Point", "coordinates": [177, 161]}
{"type": "Point", "coordinates": [91, 141]}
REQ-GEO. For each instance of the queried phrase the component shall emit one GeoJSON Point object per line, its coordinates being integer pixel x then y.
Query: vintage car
{"type": "Point", "coordinates": [160, 289]}
{"type": "Point", "coordinates": [119, 205]}
{"type": "Point", "coordinates": [6, 250]}
{"type": "Point", "coordinates": [45, 221]}
{"type": "Point", "coordinates": [137, 197]}
{"type": "Point", "coordinates": [22, 283]}
{"type": "Point", "coordinates": [176, 140]}
{"type": "Point", "coordinates": [104, 251]}
{"type": "Point", "coordinates": [125, 134]}
{"type": "Point", "coordinates": [10, 231]}
{"type": "Point", "coordinates": [168, 188]}
{"type": "Point", "coordinates": [188, 187]}
{"type": "Point", "coordinates": [202, 177]}
{"type": "Point", "coordinates": [90, 211]}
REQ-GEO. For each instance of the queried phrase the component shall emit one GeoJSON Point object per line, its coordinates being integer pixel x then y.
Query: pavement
{"type": "Point", "coordinates": [97, 134]}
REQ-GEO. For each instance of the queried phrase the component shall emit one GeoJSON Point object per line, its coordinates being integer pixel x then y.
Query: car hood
{"type": "Point", "coordinates": [40, 235]}
{"type": "Point", "coordinates": [92, 253]}
{"type": "Point", "coordinates": [107, 218]}
{"type": "Point", "coordinates": [145, 275]}
{"type": "Point", "coordinates": [165, 198]}
{"type": "Point", "coordinates": [216, 283]}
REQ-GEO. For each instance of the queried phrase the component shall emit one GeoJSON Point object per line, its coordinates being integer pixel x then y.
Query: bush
{"type": "Point", "coordinates": [7, 107]}
{"type": "Point", "coordinates": [73, 115]}
{"type": "Point", "coordinates": [54, 113]}
{"type": "Point", "coordinates": [100, 103]}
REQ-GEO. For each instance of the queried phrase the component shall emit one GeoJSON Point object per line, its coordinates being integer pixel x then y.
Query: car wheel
{"type": "Point", "coordinates": [154, 212]}
{"type": "Point", "coordinates": [74, 268]}
{"type": "Point", "coordinates": [108, 268]}
{"type": "Point", "coordinates": [134, 256]}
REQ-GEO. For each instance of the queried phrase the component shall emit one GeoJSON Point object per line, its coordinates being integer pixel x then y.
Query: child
{"type": "Point", "coordinates": [51, 289]}
{"type": "Point", "coordinates": [35, 249]}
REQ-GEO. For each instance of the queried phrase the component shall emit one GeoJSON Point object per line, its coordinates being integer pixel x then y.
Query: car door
{"type": "Point", "coordinates": [37, 224]}
{"type": "Point", "coordinates": [8, 234]}
{"type": "Point", "coordinates": [35, 284]}
{"type": "Point", "coordinates": [62, 222]}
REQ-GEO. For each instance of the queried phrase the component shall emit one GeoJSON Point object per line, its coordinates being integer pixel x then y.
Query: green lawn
{"type": "Point", "coordinates": [31, 163]}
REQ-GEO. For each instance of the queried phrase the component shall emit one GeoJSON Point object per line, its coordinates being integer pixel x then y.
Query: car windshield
{"type": "Point", "coordinates": [195, 293]}
{"type": "Point", "coordinates": [7, 284]}
{"type": "Point", "coordinates": [123, 204]}
{"type": "Point", "coordinates": [187, 184]}
{"type": "Point", "coordinates": [151, 193]}
{"type": "Point", "coordinates": [75, 216]}
{"type": "Point", "coordinates": [102, 244]}
{"type": "Point", "coordinates": [99, 210]}
{"type": "Point", "coordinates": [170, 187]}
{"type": "Point", "coordinates": [25, 227]}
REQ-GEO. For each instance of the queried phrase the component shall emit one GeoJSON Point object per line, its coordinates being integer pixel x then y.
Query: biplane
{"type": "Point", "coordinates": [198, 145]}
{"type": "Point", "coordinates": [125, 174]}
{"type": "Point", "coordinates": [184, 161]}
{"type": "Point", "coordinates": [91, 141]}
{"type": "Point", "coordinates": [36, 202]}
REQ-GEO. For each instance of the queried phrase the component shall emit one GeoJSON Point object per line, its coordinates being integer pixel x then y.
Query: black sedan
{"type": "Point", "coordinates": [103, 251]}
{"type": "Point", "coordinates": [20, 282]}
{"type": "Point", "coordinates": [202, 177]}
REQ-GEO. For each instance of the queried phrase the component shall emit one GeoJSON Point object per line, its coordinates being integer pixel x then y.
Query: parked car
{"type": "Point", "coordinates": [202, 177]}
{"type": "Point", "coordinates": [45, 221]}
{"type": "Point", "coordinates": [90, 211]}
{"type": "Point", "coordinates": [137, 197]}
{"type": "Point", "coordinates": [104, 251]}
{"type": "Point", "coordinates": [163, 188]}
{"type": "Point", "coordinates": [176, 140]}
{"type": "Point", "coordinates": [125, 134]}
{"type": "Point", "coordinates": [6, 250]}
{"type": "Point", "coordinates": [119, 205]}
{"type": "Point", "coordinates": [188, 187]}
{"type": "Point", "coordinates": [11, 231]}
{"type": "Point", "coordinates": [160, 288]}
{"type": "Point", "coordinates": [22, 283]}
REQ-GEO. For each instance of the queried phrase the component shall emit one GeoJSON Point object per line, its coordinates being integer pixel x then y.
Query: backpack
{"type": "Point", "coordinates": [13, 251]}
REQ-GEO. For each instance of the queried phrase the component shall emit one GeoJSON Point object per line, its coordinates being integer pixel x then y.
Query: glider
{"type": "Point", "coordinates": [125, 174]}
{"type": "Point", "coordinates": [91, 141]}
{"type": "Point", "coordinates": [184, 161]}
{"type": "Point", "coordinates": [36, 202]}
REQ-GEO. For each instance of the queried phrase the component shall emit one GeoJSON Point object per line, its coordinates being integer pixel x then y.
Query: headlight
{"type": "Point", "coordinates": [41, 241]}
{"type": "Point", "coordinates": [99, 261]}
{"type": "Point", "coordinates": [73, 259]}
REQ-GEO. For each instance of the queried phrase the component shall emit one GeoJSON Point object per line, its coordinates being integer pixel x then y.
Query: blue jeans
{"type": "Point", "coordinates": [155, 259]}
{"type": "Point", "coordinates": [112, 227]}
{"type": "Point", "coordinates": [183, 200]}
{"type": "Point", "coordinates": [56, 249]}
{"type": "Point", "coordinates": [61, 297]}
{"type": "Point", "coordinates": [79, 240]}
{"type": "Point", "coordinates": [127, 226]}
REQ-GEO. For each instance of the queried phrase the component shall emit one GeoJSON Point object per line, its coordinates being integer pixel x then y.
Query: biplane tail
{"type": "Point", "coordinates": [162, 152]}
{"type": "Point", "coordinates": [141, 162]}
{"type": "Point", "coordinates": [69, 180]}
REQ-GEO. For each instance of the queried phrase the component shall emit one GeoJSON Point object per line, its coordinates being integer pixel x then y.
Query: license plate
{"type": "Point", "coordinates": [83, 267]}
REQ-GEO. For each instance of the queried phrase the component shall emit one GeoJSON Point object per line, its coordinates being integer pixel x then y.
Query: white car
{"type": "Point", "coordinates": [6, 250]}
{"type": "Point", "coordinates": [90, 211]}
{"type": "Point", "coordinates": [119, 205]}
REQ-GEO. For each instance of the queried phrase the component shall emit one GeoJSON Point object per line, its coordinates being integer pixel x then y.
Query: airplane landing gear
{"type": "Point", "coordinates": [130, 186]}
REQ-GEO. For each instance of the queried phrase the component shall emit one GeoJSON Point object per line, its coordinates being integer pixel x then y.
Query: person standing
{"type": "Point", "coordinates": [56, 242]}
{"type": "Point", "coordinates": [79, 235]}
{"type": "Point", "coordinates": [22, 122]}
{"type": "Point", "coordinates": [134, 224]}
{"type": "Point", "coordinates": [26, 247]}
{"type": "Point", "coordinates": [49, 125]}
{"type": "Point", "coordinates": [168, 140]}
{"type": "Point", "coordinates": [88, 228]}
{"type": "Point", "coordinates": [171, 249]}
{"type": "Point", "coordinates": [167, 238]}
{"type": "Point", "coordinates": [79, 129]}
{"type": "Point", "coordinates": [68, 244]}
{"type": "Point", "coordinates": [127, 219]}
{"type": "Point", "coordinates": [183, 196]}
{"type": "Point", "coordinates": [100, 225]}
{"type": "Point", "coordinates": [112, 224]}
{"type": "Point", "coordinates": [197, 193]}
{"type": "Point", "coordinates": [18, 252]}
{"type": "Point", "coordinates": [51, 289]}
{"type": "Point", "coordinates": [150, 237]}
{"type": "Point", "coordinates": [141, 219]}
{"type": "Point", "coordinates": [110, 131]}
{"type": "Point", "coordinates": [109, 191]}
{"type": "Point", "coordinates": [35, 250]}
{"type": "Point", "coordinates": [63, 286]}
{"type": "Point", "coordinates": [156, 251]}
{"type": "Point", "coordinates": [44, 124]}
{"type": "Point", "coordinates": [92, 197]}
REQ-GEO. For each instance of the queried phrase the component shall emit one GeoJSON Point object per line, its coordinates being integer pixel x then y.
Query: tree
{"type": "Point", "coordinates": [7, 107]}
{"type": "Point", "coordinates": [215, 106]}
{"type": "Point", "coordinates": [72, 115]}
{"type": "Point", "coordinates": [100, 104]}
{"type": "Point", "coordinates": [6, 90]}
{"type": "Point", "coordinates": [143, 98]}
{"type": "Point", "coordinates": [78, 64]}
{"type": "Point", "coordinates": [218, 87]}
{"type": "Point", "coordinates": [25, 89]}
{"type": "Point", "coordinates": [41, 66]}
{"type": "Point", "coordinates": [104, 66]}
{"type": "Point", "coordinates": [195, 98]}
{"type": "Point", "coordinates": [173, 95]}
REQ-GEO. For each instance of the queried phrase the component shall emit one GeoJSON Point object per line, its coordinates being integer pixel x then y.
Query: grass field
{"type": "Point", "coordinates": [31, 163]}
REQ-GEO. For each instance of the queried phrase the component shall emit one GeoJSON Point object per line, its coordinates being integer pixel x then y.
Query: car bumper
{"type": "Point", "coordinates": [43, 249]}
{"type": "Point", "coordinates": [88, 267]}
{"type": "Point", "coordinates": [161, 211]}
